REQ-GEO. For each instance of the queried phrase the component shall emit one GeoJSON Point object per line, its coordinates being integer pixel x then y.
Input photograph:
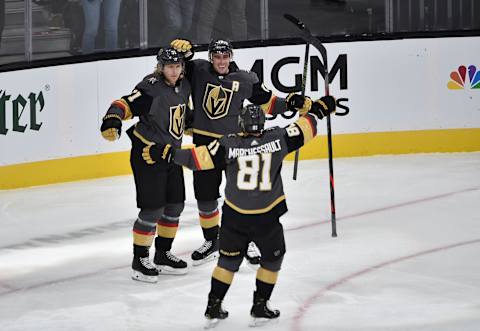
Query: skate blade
{"type": "Point", "coordinates": [261, 321]}
{"type": "Point", "coordinates": [209, 258]}
{"type": "Point", "coordinates": [138, 276]}
{"type": "Point", "coordinates": [211, 323]}
{"type": "Point", "coordinates": [166, 270]}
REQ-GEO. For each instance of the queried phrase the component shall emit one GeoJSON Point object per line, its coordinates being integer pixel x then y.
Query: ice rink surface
{"type": "Point", "coordinates": [407, 256]}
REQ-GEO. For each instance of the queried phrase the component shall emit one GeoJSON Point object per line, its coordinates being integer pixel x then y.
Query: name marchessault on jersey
{"type": "Point", "coordinates": [270, 147]}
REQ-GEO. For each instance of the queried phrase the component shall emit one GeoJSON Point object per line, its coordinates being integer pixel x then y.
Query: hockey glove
{"type": "Point", "coordinates": [181, 45]}
{"type": "Point", "coordinates": [184, 46]}
{"type": "Point", "coordinates": [154, 153]}
{"type": "Point", "coordinates": [296, 102]}
{"type": "Point", "coordinates": [323, 106]}
{"type": "Point", "coordinates": [111, 127]}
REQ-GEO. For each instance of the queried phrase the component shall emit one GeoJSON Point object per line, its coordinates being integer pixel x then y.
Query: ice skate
{"type": "Point", "coordinates": [207, 252]}
{"type": "Point", "coordinates": [143, 270]}
{"type": "Point", "coordinates": [168, 264]}
{"type": "Point", "coordinates": [214, 312]}
{"type": "Point", "coordinates": [261, 313]}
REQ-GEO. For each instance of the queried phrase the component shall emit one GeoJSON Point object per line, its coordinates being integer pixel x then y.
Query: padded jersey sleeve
{"type": "Point", "coordinates": [300, 132]}
{"type": "Point", "coordinates": [135, 104]}
{"type": "Point", "coordinates": [264, 97]}
{"type": "Point", "coordinates": [201, 157]}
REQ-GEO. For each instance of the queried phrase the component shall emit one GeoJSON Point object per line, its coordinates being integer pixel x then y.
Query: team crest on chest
{"type": "Point", "coordinates": [216, 100]}
{"type": "Point", "coordinates": [177, 120]}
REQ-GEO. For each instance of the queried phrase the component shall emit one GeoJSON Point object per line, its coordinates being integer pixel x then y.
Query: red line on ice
{"type": "Point", "coordinates": [12, 290]}
{"type": "Point", "coordinates": [297, 318]}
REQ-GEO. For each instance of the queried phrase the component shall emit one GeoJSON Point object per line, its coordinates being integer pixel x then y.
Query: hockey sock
{"type": "Point", "coordinates": [166, 230]}
{"type": "Point", "coordinates": [140, 251]}
{"type": "Point", "coordinates": [265, 282]}
{"type": "Point", "coordinates": [209, 222]}
{"type": "Point", "coordinates": [221, 280]}
{"type": "Point", "coordinates": [143, 232]}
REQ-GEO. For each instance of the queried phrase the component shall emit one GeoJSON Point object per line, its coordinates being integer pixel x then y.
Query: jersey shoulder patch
{"type": "Point", "coordinates": [271, 129]}
{"type": "Point", "coordinates": [144, 84]}
{"type": "Point", "coordinates": [274, 131]}
{"type": "Point", "coordinates": [150, 79]}
{"type": "Point", "coordinates": [153, 80]}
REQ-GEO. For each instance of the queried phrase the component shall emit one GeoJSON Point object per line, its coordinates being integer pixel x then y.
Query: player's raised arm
{"type": "Point", "coordinates": [273, 105]}
{"type": "Point", "coordinates": [185, 47]}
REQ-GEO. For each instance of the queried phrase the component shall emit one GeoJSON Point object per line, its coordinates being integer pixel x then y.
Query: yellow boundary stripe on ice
{"type": "Point", "coordinates": [344, 145]}
{"type": "Point", "coordinates": [64, 170]}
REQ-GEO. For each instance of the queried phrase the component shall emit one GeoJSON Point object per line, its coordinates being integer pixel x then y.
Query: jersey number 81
{"type": "Point", "coordinates": [252, 167]}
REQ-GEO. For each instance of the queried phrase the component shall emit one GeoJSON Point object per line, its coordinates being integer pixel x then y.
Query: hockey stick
{"type": "Point", "coordinates": [310, 39]}
{"type": "Point", "coordinates": [304, 81]}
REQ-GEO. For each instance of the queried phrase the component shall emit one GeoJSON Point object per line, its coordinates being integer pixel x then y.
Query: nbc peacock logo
{"type": "Point", "coordinates": [459, 79]}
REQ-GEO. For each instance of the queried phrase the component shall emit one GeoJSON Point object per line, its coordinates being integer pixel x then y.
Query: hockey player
{"type": "Point", "coordinates": [254, 199]}
{"type": "Point", "coordinates": [160, 101]}
{"type": "Point", "coordinates": [219, 89]}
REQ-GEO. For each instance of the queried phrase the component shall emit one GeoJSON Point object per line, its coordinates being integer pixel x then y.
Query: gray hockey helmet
{"type": "Point", "coordinates": [251, 119]}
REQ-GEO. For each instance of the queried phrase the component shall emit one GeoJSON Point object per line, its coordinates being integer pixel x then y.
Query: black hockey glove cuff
{"type": "Point", "coordinates": [153, 153]}
{"type": "Point", "coordinates": [111, 127]}
{"type": "Point", "coordinates": [296, 102]}
{"type": "Point", "coordinates": [323, 106]}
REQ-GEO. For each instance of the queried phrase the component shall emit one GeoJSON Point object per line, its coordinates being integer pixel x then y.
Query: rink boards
{"type": "Point", "coordinates": [394, 97]}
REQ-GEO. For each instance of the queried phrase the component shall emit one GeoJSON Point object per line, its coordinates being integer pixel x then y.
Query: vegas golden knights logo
{"type": "Point", "coordinates": [216, 101]}
{"type": "Point", "coordinates": [177, 119]}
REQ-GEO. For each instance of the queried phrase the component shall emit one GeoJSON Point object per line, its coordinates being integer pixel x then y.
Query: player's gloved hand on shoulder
{"type": "Point", "coordinates": [323, 106]}
{"type": "Point", "coordinates": [156, 152]}
{"type": "Point", "coordinates": [183, 45]}
{"type": "Point", "coordinates": [111, 127]}
{"type": "Point", "coordinates": [296, 102]}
